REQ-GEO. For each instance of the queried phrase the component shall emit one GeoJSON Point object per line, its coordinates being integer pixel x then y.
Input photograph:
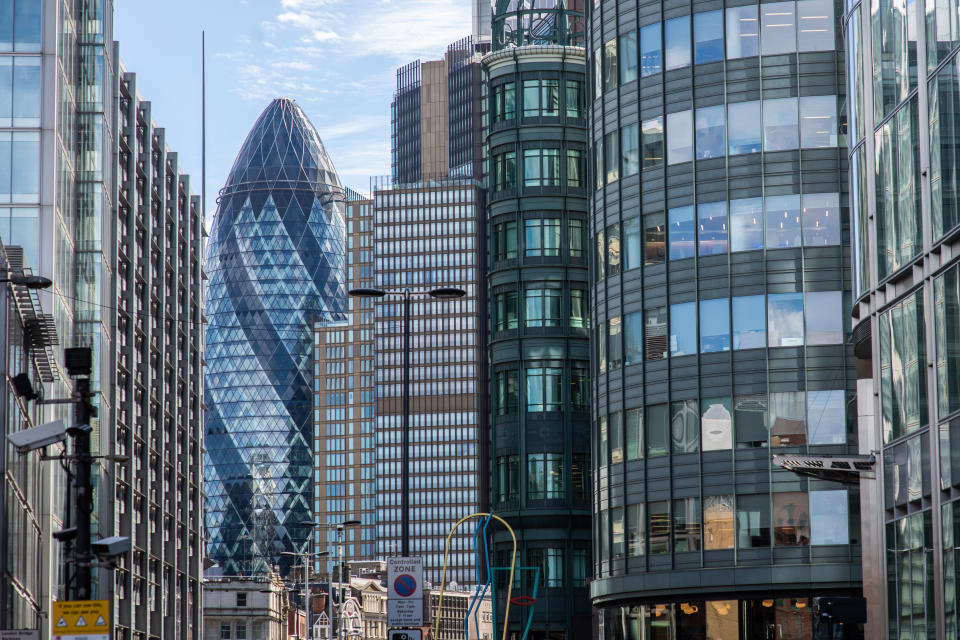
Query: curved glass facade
{"type": "Point", "coordinates": [518, 23]}
{"type": "Point", "coordinates": [904, 154]}
{"type": "Point", "coordinates": [721, 291]}
{"type": "Point", "coordinates": [276, 265]}
{"type": "Point", "coordinates": [538, 291]}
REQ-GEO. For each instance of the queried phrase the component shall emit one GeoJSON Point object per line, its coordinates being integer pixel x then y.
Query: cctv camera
{"type": "Point", "coordinates": [65, 534]}
{"type": "Point", "coordinates": [78, 429]}
{"type": "Point", "coordinates": [110, 547]}
{"type": "Point", "coordinates": [38, 437]}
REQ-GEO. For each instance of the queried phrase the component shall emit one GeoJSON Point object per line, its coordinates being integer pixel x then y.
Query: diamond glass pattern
{"type": "Point", "coordinates": [276, 265]}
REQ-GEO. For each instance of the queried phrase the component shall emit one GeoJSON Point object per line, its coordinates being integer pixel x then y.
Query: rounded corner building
{"type": "Point", "coordinates": [538, 292]}
{"type": "Point", "coordinates": [721, 298]}
{"type": "Point", "coordinates": [276, 265]}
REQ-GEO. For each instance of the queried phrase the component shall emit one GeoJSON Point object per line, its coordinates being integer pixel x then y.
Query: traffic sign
{"type": "Point", "coordinates": [80, 620]}
{"type": "Point", "coordinates": [405, 592]}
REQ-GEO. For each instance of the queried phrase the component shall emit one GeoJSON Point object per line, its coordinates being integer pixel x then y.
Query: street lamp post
{"type": "Point", "coordinates": [306, 581]}
{"type": "Point", "coordinates": [442, 293]}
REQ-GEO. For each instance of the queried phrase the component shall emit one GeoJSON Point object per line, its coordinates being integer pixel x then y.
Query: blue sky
{"type": "Point", "coordinates": [336, 58]}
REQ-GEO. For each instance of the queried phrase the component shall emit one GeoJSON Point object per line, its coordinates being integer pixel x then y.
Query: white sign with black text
{"type": "Point", "coordinates": [405, 592]}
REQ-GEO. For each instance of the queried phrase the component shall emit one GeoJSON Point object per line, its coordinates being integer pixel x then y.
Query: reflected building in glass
{"type": "Point", "coordinates": [538, 289]}
{"type": "Point", "coordinates": [904, 128]}
{"type": "Point", "coordinates": [276, 266]}
{"type": "Point", "coordinates": [720, 299]}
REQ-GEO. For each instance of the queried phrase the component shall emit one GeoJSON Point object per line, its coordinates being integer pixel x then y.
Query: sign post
{"type": "Point", "coordinates": [405, 592]}
{"type": "Point", "coordinates": [80, 620]}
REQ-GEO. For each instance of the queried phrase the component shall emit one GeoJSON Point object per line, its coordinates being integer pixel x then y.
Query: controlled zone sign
{"type": "Point", "coordinates": [80, 620]}
{"type": "Point", "coordinates": [404, 592]}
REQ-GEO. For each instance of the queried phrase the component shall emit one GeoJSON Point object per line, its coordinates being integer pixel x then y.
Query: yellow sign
{"type": "Point", "coordinates": [80, 618]}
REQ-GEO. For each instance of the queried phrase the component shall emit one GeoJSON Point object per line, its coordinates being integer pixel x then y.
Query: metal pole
{"type": "Point", "coordinates": [405, 446]}
{"type": "Point", "coordinates": [84, 490]}
{"type": "Point", "coordinates": [340, 581]}
{"type": "Point", "coordinates": [4, 427]}
{"type": "Point", "coordinates": [329, 601]}
{"type": "Point", "coordinates": [306, 588]}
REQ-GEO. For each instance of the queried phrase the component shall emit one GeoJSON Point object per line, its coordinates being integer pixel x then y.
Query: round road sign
{"type": "Point", "coordinates": [405, 585]}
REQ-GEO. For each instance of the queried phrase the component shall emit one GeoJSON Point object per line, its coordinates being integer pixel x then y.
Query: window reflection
{"type": "Point", "coordinates": [658, 526]}
{"type": "Point", "coordinates": [750, 418]}
{"type": "Point", "coordinates": [686, 525]}
{"type": "Point", "coordinates": [681, 233]}
{"type": "Point", "coordinates": [683, 328]}
{"type": "Point", "coordinates": [785, 319]}
{"type": "Point", "coordinates": [615, 426]}
{"type": "Point", "coordinates": [821, 219]}
{"type": "Point", "coordinates": [652, 142]}
{"type": "Point", "coordinates": [633, 254]}
{"type": "Point", "coordinates": [679, 137]}
{"type": "Point", "coordinates": [714, 325]}
{"type": "Point", "coordinates": [826, 417]}
{"type": "Point", "coordinates": [780, 121]}
{"type": "Point", "coordinates": [712, 228]}
{"type": "Point", "coordinates": [783, 221]}
{"type": "Point", "coordinates": [630, 149]}
{"type": "Point", "coordinates": [611, 157]}
{"type": "Point", "coordinates": [613, 249]}
{"type": "Point", "coordinates": [677, 36]}
{"type": "Point", "coordinates": [633, 337]}
{"type": "Point", "coordinates": [685, 426]}
{"type": "Point", "coordinates": [897, 174]}
{"type": "Point", "coordinates": [628, 57]}
{"type": "Point", "coordinates": [818, 122]}
{"type": "Point", "coordinates": [614, 343]}
{"type": "Point", "coordinates": [746, 224]}
{"type": "Point", "coordinates": [946, 298]}
{"type": "Point", "coordinates": [894, 54]}
{"type": "Point", "coordinates": [744, 132]}
{"type": "Point", "coordinates": [829, 517]}
{"type": "Point", "coordinates": [658, 430]}
{"type": "Point", "coordinates": [824, 317]}
{"type": "Point", "coordinates": [633, 426]}
{"type": "Point", "coordinates": [743, 32]}
{"type": "Point", "coordinates": [815, 25]}
{"type": "Point", "coordinates": [786, 418]}
{"type": "Point", "coordinates": [710, 132]}
{"type": "Point", "coordinates": [654, 242]}
{"type": "Point", "coordinates": [777, 28]}
{"type": "Point", "coordinates": [749, 322]}
{"type": "Point", "coordinates": [635, 533]}
{"type": "Point", "coordinates": [716, 424]}
{"type": "Point", "coordinates": [753, 521]}
{"type": "Point", "coordinates": [655, 333]}
{"type": "Point", "coordinates": [718, 522]}
{"type": "Point", "coordinates": [651, 56]}
{"type": "Point", "coordinates": [707, 37]}
{"type": "Point", "coordinates": [791, 519]}
{"type": "Point", "coordinates": [903, 397]}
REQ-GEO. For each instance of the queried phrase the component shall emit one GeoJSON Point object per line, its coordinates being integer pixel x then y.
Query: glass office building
{"type": "Point", "coordinates": [276, 266]}
{"type": "Point", "coordinates": [539, 292]}
{"type": "Point", "coordinates": [904, 129]}
{"type": "Point", "coordinates": [721, 296]}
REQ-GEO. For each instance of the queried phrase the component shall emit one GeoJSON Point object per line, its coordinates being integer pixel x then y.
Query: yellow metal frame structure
{"type": "Point", "coordinates": [446, 555]}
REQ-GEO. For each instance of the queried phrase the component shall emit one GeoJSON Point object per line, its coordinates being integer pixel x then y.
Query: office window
{"type": "Point", "coordinates": [553, 567]}
{"type": "Point", "coordinates": [818, 122]}
{"type": "Point", "coordinates": [712, 228]}
{"type": "Point", "coordinates": [575, 236]}
{"type": "Point", "coordinates": [829, 517]}
{"type": "Point", "coordinates": [655, 333]}
{"type": "Point", "coordinates": [750, 420]}
{"type": "Point", "coordinates": [574, 168]}
{"type": "Point", "coordinates": [541, 167]}
{"type": "Point", "coordinates": [545, 476]}
{"type": "Point", "coordinates": [19, 166]}
{"type": "Point", "coordinates": [679, 137]}
{"type": "Point", "coordinates": [600, 255]}
{"type": "Point", "coordinates": [531, 98]}
{"type": "Point", "coordinates": [782, 214]}
{"type": "Point", "coordinates": [628, 57]}
{"type": "Point", "coordinates": [505, 240]}
{"type": "Point", "coordinates": [542, 307]}
{"type": "Point", "coordinates": [821, 219]}
{"type": "Point", "coordinates": [614, 343]}
{"type": "Point", "coordinates": [633, 427]}
{"type": "Point", "coordinates": [615, 423]}
{"type": "Point", "coordinates": [746, 224]}
{"type": "Point", "coordinates": [505, 171]}
{"type": "Point", "coordinates": [542, 237]}
{"type": "Point", "coordinates": [611, 157]}
{"type": "Point", "coordinates": [241, 631]}
{"type": "Point", "coordinates": [508, 478]}
{"type": "Point", "coordinates": [785, 319]}
{"type": "Point", "coordinates": [508, 392]}
{"type": "Point", "coordinates": [684, 426]}
{"type": "Point", "coordinates": [744, 127]}
{"type": "Point", "coordinates": [635, 532]}
{"type": "Point", "coordinates": [826, 417]}
{"type": "Point", "coordinates": [707, 37]}
{"type": "Point", "coordinates": [897, 174]}
{"type": "Point", "coordinates": [778, 28]}
{"type": "Point", "coordinates": [786, 418]}
{"type": "Point", "coordinates": [716, 424]}
{"type": "Point", "coordinates": [815, 25]}
{"type": "Point", "coordinates": [743, 32]}
{"type": "Point", "coordinates": [780, 131]}
{"type": "Point", "coordinates": [598, 163]}
{"type": "Point", "coordinates": [504, 102]}
{"type": "Point", "coordinates": [686, 525]}
{"type": "Point", "coordinates": [677, 38]}
{"type": "Point", "coordinates": [574, 97]}
{"type": "Point", "coordinates": [681, 233]}
{"type": "Point", "coordinates": [544, 385]}
{"type": "Point", "coordinates": [630, 149]}
{"type": "Point", "coordinates": [749, 322]}
{"type": "Point", "coordinates": [579, 397]}
{"type": "Point", "coordinates": [753, 521]}
{"type": "Point", "coordinates": [241, 599]}
{"type": "Point", "coordinates": [658, 430]}
{"type": "Point", "coordinates": [652, 142]}
{"type": "Point", "coordinates": [505, 310]}
{"type": "Point", "coordinates": [658, 527]}
{"type": "Point", "coordinates": [824, 317]}
{"type": "Point", "coordinates": [610, 65]}
{"type": "Point", "coordinates": [579, 475]}
{"type": "Point", "coordinates": [633, 337]}
{"type": "Point", "coordinates": [791, 519]}
{"type": "Point", "coordinates": [20, 91]}
{"type": "Point", "coordinates": [225, 631]}
{"type": "Point", "coordinates": [613, 250]}
{"type": "Point", "coordinates": [711, 132]}
{"type": "Point", "coordinates": [632, 252]}
{"type": "Point", "coordinates": [903, 395]}
{"type": "Point", "coordinates": [579, 317]}
{"type": "Point", "coordinates": [579, 562]}
{"type": "Point", "coordinates": [20, 25]}
{"type": "Point", "coordinates": [946, 300]}
{"type": "Point", "coordinates": [651, 49]}
{"type": "Point", "coordinates": [714, 325]}
{"type": "Point", "coordinates": [549, 98]}
{"type": "Point", "coordinates": [718, 532]}
{"type": "Point", "coordinates": [683, 328]}
{"type": "Point", "coordinates": [654, 241]}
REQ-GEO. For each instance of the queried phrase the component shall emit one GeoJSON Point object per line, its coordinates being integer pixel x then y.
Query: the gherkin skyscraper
{"type": "Point", "coordinates": [276, 265]}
